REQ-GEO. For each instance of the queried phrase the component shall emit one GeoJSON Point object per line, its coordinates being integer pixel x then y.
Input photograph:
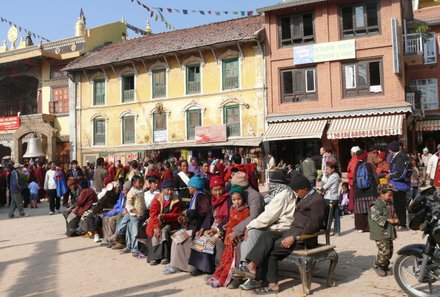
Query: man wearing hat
{"type": "Point", "coordinates": [16, 185]}
{"type": "Point", "coordinates": [351, 169]}
{"type": "Point", "coordinates": [273, 246]}
{"type": "Point", "coordinates": [424, 159]}
{"type": "Point", "coordinates": [398, 178]}
{"type": "Point", "coordinates": [431, 166]}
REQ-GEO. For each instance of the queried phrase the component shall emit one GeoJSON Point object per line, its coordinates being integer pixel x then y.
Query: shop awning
{"type": "Point", "coordinates": [250, 142]}
{"type": "Point", "coordinates": [376, 126]}
{"type": "Point", "coordinates": [431, 125]}
{"type": "Point", "coordinates": [295, 130]}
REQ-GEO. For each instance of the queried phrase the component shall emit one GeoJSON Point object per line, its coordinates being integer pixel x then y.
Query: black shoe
{"type": "Point", "coordinates": [196, 272]}
{"type": "Point", "coordinates": [380, 272]}
{"type": "Point", "coordinates": [154, 262]}
{"type": "Point", "coordinates": [165, 261]}
{"type": "Point", "coordinates": [235, 283]}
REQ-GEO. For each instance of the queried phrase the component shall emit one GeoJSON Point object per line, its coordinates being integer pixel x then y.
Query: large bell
{"type": "Point", "coordinates": [34, 148]}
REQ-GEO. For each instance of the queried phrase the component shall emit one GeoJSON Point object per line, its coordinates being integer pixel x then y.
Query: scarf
{"type": "Point", "coordinates": [274, 189]}
{"type": "Point", "coordinates": [220, 204]}
{"type": "Point", "coordinates": [192, 203]}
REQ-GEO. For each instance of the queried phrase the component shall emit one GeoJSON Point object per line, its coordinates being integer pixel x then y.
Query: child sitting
{"type": "Point", "coordinates": [381, 220]}
{"type": "Point", "coordinates": [238, 212]}
{"type": "Point", "coordinates": [343, 198]}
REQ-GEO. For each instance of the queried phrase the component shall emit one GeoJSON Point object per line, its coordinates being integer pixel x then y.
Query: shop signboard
{"type": "Point", "coordinates": [365, 133]}
{"type": "Point", "coordinates": [208, 134]}
{"type": "Point", "coordinates": [9, 123]}
{"type": "Point", "coordinates": [160, 136]}
{"type": "Point", "coordinates": [324, 52]}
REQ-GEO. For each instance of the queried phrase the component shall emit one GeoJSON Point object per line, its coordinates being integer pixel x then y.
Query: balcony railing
{"type": "Point", "coordinates": [193, 87]}
{"type": "Point", "coordinates": [99, 139]}
{"type": "Point", "coordinates": [128, 95]}
{"type": "Point", "coordinates": [413, 98]}
{"type": "Point", "coordinates": [233, 129]}
{"type": "Point", "coordinates": [99, 99]}
{"type": "Point", "coordinates": [159, 91]}
{"type": "Point", "coordinates": [413, 44]}
{"type": "Point", "coordinates": [230, 83]}
{"type": "Point", "coordinates": [128, 137]}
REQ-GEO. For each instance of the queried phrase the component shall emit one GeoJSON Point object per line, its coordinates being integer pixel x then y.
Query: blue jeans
{"type": "Point", "coordinates": [131, 235]}
{"type": "Point", "coordinates": [121, 228]}
{"type": "Point", "coordinates": [336, 216]}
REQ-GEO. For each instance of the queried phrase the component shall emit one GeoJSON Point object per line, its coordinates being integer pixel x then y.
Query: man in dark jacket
{"type": "Point", "coordinates": [273, 246]}
{"type": "Point", "coordinates": [398, 178]}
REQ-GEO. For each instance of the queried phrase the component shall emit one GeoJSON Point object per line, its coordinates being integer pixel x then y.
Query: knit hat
{"type": "Point", "coordinates": [196, 182]}
{"type": "Point", "coordinates": [167, 184]}
{"type": "Point", "coordinates": [237, 189]}
{"type": "Point", "coordinates": [355, 149]}
{"type": "Point", "coordinates": [426, 150]}
{"type": "Point", "coordinates": [277, 177]}
{"type": "Point", "coordinates": [299, 182]}
{"type": "Point", "coordinates": [17, 165]}
{"type": "Point", "coordinates": [394, 146]}
{"type": "Point", "coordinates": [240, 179]}
{"type": "Point", "coordinates": [384, 188]}
{"type": "Point", "coordinates": [72, 181]}
{"type": "Point", "coordinates": [216, 181]}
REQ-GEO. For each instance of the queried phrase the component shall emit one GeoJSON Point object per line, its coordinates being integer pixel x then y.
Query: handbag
{"type": "Point", "coordinates": [181, 236]}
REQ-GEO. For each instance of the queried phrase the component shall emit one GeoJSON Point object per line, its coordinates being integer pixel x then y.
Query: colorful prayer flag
{"type": "Point", "coordinates": [185, 11]}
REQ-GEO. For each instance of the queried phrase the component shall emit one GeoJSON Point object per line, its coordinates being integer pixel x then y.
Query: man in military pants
{"type": "Point", "coordinates": [381, 221]}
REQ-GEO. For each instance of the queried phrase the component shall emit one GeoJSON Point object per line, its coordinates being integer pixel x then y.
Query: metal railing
{"type": "Point", "coordinates": [99, 139]}
{"type": "Point", "coordinates": [128, 95]}
{"type": "Point", "coordinates": [414, 99]}
{"type": "Point", "coordinates": [159, 91]}
{"type": "Point", "coordinates": [99, 99]}
{"type": "Point", "coordinates": [413, 44]}
{"type": "Point", "coordinates": [230, 83]}
{"type": "Point", "coordinates": [233, 129]}
{"type": "Point", "coordinates": [193, 87]}
{"type": "Point", "coordinates": [128, 137]}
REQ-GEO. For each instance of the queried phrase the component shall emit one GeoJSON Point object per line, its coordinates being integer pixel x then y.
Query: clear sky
{"type": "Point", "coordinates": [55, 19]}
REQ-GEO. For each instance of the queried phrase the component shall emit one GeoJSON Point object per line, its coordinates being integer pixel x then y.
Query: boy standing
{"type": "Point", "coordinates": [381, 221]}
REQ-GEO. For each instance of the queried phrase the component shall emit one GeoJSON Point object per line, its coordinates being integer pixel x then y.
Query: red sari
{"type": "Point", "coordinates": [223, 272]}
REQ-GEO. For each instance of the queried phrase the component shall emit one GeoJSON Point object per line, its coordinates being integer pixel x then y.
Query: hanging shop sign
{"type": "Point", "coordinates": [208, 134]}
{"type": "Point", "coordinates": [9, 123]}
{"type": "Point", "coordinates": [323, 52]}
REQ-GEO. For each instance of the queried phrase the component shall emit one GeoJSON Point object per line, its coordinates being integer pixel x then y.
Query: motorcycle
{"type": "Point", "coordinates": [417, 267]}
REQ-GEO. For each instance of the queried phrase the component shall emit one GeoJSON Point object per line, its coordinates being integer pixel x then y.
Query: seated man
{"type": "Point", "coordinates": [83, 204]}
{"type": "Point", "coordinates": [273, 246]}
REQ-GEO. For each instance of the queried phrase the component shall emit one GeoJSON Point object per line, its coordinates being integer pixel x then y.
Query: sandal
{"type": "Point", "coordinates": [265, 291]}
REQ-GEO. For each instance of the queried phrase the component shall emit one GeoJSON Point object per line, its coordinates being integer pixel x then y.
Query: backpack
{"type": "Point", "coordinates": [363, 178]}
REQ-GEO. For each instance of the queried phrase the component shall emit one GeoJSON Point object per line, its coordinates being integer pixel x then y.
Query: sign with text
{"type": "Point", "coordinates": [323, 52]}
{"type": "Point", "coordinates": [160, 136]}
{"type": "Point", "coordinates": [209, 134]}
{"type": "Point", "coordinates": [9, 123]}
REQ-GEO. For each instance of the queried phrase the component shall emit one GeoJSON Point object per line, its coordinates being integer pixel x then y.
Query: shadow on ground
{"type": "Point", "coordinates": [347, 259]}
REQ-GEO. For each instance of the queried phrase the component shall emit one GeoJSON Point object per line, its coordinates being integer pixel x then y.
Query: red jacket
{"type": "Point", "coordinates": [351, 169]}
{"type": "Point", "coordinates": [170, 217]}
{"type": "Point", "coordinates": [85, 201]}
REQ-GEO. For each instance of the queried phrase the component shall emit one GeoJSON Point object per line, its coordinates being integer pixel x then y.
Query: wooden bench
{"type": "Point", "coordinates": [306, 259]}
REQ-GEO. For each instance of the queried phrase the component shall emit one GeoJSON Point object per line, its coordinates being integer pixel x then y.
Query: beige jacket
{"type": "Point", "coordinates": [135, 201]}
{"type": "Point", "coordinates": [277, 215]}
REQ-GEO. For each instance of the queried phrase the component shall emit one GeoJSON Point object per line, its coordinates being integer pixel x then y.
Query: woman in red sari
{"type": "Point", "coordinates": [238, 212]}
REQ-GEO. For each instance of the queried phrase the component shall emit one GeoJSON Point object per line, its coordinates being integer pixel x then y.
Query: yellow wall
{"type": "Point", "coordinates": [109, 32]}
{"type": "Point", "coordinates": [211, 97]}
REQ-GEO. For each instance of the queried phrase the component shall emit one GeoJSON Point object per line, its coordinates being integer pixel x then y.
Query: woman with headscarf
{"type": "Point", "coordinates": [382, 167]}
{"type": "Point", "coordinates": [364, 192]}
{"type": "Point", "coordinates": [196, 219]}
{"type": "Point", "coordinates": [164, 212]}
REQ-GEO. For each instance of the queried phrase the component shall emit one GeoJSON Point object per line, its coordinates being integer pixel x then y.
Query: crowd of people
{"type": "Point", "coordinates": [210, 218]}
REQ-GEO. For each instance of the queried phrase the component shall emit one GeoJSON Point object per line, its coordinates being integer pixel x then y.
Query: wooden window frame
{"type": "Point", "coordinates": [198, 89]}
{"type": "Point", "coordinates": [57, 105]}
{"type": "Point", "coordinates": [225, 86]}
{"type": "Point", "coordinates": [189, 128]}
{"type": "Point", "coordinates": [127, 95]}
{"type": "Point", "coordinates": [95, 143]}
{"type": "Point", "coordinates": [300, 39]}
{"type": "Point", "coordinates": [124, 129]}
{"type": "Point", "coordinates": [232, 126]}
{"type": "Point", "coordinates": [95, 81]}
{"type": "Point", "coordinates": [369, 30]}
{"type": "Point", "coordinates": [155, 94]}
{"type": "Point", "coordinates": [360, 90]}
{"type": "Point", "coordinates": [301, 95]}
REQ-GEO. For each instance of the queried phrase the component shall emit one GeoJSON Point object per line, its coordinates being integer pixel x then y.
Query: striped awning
{"type": "Point", "coordinates": [375, 126]}
{"type": "Point", "coordinates": [295, 130]}
{"type": "Point", "coordinates": [431, 125]}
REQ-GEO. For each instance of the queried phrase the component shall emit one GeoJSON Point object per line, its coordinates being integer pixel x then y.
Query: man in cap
{"type": "Point", "coordinates": [424, 159]}
{"type": "Point", "coordinates": [431, 167]}
{"type": "Point", "coordinates": [16, 185]}
{"type": "Point", "coordinates": [350, 175]}
{"type": "Point", "coordinates": [273, 246]}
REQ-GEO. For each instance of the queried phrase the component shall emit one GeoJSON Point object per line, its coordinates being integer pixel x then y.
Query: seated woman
{"type": "Point", "coordinates": [164, 212]}
{"type": "Point", "coordinates": [238, 212]}
{"type": "Point", "coordinates": [273, 246]}
{"type": "Point", "coordinates": [83, 204]}
{"type": "Point", "coordinates": [196, 219]}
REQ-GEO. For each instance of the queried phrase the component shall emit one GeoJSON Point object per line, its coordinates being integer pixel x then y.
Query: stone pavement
{"type": "Point", "coordinates": [36, 259]}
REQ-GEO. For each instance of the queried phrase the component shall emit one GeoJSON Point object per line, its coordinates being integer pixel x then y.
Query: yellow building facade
{"type": "Point", "coordinates": [208, 96]}
{"type": "Point", "coordinates": [34, 99]}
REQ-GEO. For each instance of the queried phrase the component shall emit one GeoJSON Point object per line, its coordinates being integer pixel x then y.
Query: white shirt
{"type": "Point", "coordinates": [149, 196]}
{"type": "Point", "coordinates": [432, 166]}
{"type": "Point", "coordinates": [49, 180]}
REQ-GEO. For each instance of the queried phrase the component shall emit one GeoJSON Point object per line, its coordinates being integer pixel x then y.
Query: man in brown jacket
{"type": "Point", "coordinates": [274, 246]}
